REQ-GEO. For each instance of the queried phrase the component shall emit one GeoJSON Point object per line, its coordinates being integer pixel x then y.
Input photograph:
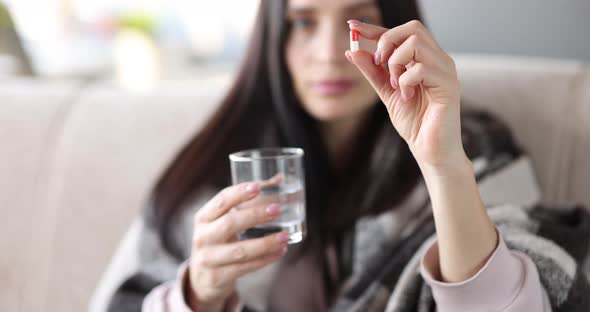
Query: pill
{"type": "Point", "coordinates": [354, 40]}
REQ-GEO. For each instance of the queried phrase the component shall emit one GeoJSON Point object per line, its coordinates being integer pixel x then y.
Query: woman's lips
{"type": "Point", "coordinates": [333, 87]}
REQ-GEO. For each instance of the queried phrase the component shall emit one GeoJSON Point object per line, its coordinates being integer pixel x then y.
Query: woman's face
{"type": "Point", "coordinates": [329, 87]}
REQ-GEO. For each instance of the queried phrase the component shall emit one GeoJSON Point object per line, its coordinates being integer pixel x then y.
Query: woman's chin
{"type": "Point", "coordinates": [329, 115]}
{"type": "Point", "coordinates": [334, 109]}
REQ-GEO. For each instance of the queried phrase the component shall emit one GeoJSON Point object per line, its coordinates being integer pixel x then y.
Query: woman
{"type": "Point", "coordinates": [373, 190]}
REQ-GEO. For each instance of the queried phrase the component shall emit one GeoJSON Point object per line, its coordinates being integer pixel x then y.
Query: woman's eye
{"type": "Point", "coordinates": [302, 22]}
{"type": "Point", "coordinates": [364, 19]}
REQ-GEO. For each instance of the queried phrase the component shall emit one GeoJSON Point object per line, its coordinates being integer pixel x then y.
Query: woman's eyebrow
{"type": "Point", "coordinates": [350, 8]}
{"type": "Point", "coordinates": [360, 6]}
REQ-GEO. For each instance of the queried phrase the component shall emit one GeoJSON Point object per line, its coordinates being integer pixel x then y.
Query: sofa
{"type": "Point", "coordinates": [78, 160]}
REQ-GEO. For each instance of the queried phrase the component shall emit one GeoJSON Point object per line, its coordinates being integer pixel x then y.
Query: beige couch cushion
{"type": "Point", "coordinates": [577, 185]}
{"type": "Point", "coordinates": [547, 104]}
{"type": "Point", "coordinates": [28, 123]}
{"type": "Point", "coordinates": [113, 149]}
{"type": "Point", "coordinates": [79, 165]}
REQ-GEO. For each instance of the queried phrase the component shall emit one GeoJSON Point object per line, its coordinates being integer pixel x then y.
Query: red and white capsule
{"type": "Point", "coordinates": [354, 40]}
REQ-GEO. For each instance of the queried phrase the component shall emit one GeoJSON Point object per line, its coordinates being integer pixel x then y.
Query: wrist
{"type": "Point", "coordinates": [195, 304]}
{"type": "Point", "coordinates": [452, 186]}
{"type": "Point", "coordinates": [459, 167]}
{"type": "Point", "coordinates": [466, 234]}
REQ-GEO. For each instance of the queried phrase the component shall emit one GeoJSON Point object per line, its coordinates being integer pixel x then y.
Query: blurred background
{"type": "Point", "coordinates": [545, 28]}
{"type": "Point", "coordinates": [98, 96]}
{"type": "Point", "coordinates": [138, 43]}
{"type": "Point", "coordinates": [135, 43]}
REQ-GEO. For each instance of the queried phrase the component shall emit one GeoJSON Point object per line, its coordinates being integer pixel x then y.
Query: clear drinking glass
{"type": "Point", "coordinates": [281, 175]}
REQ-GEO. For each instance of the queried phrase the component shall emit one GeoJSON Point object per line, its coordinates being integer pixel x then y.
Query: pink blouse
{"type": "Point", "coordinates": [508, 282]}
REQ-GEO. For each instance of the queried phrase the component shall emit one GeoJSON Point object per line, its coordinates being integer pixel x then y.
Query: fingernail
{"type": "Point", "coordinates": [273, 209]}
{"type": "Point", "coordinates": [393, 82]}
{"type": "Point", "coordinates": [348, 56]}
{"type": "Point", "coordinates": [377, 59]}
{"type": "Point", "coordinates": [354, 22]}
{"type": "Point", "coordinates": [280, 251]}
{"type": "Point", "coordinates": [282, 237]}
{"type": "Point", "coordinates": [410, 94]}
{"type": "Point", "coordinates": [253, 187]}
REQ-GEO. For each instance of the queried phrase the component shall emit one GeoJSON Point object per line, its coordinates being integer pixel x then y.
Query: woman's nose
{"type": "Point", "coordinates": [331, 43]}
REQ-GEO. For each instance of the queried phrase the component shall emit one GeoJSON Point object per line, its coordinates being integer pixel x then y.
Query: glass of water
{"type": "Point", "coordinates": [281, 176]}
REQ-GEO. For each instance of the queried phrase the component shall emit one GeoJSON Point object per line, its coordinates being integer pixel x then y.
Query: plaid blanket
{"type": "Point", "coordinates": [385, 250]}
{"type": "Point", "coordinates": [555, 239]}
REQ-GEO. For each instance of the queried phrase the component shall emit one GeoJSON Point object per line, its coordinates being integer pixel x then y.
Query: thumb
{"type": "Point", "coordinates": [377, 75]}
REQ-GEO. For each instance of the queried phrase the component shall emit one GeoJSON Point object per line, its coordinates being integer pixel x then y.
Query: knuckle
{"type": "Point", "coordinates": [199, 259]}
{"type": "Point", "coordinates": [226, 224]}
{"type": "Point", "coordinates": [241, 190]}
{"type": "Point", "coordinates": [261, 215]}
{"type": "Point", "coordinates": [228, 189]}
{"type": "Point", "coordinates": [415, 24]}
{"type": "Point", "coordinates": [420, 69]}
{"type": "Point", "coordinates": [392, 62]}
{"type": "Point", "coordinates": [414, 41]}
{"type": "Point", "coordinates": [197, 218]}
{"type": "Point", "coordinates": [452, 63]}
{"type": "Point", "coordinates": [245, 267]}
{"type": "Point", "coordinates": [238, 253]}
{"type": "Point", "coordinates": [240, 187]}
{"type": "Point", "coordinates": [247, 216]}
{"type": "Point", "coordinates": [385, 39]}
{"type": "Point", "coordinates": [221, 200]}
{"type": "Point", "coordinates": [269, 243]}
{"type": "Point", "coordinates": [404, 80]}
{"type": "Point", "coordinates": [214, 278]}
{"type": "Point", "coordinates": [198, 241]}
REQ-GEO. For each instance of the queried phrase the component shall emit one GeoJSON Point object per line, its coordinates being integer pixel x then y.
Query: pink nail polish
{"type": "Point", "coordinates": [252, 188]}
{"type": "Point", "coordinates": [273, 209]}
{"type": "Point", "coordinates": [393, 82]}
{"type": "Point", "coordinates": [279, 251]}
{"type": "Point", "coordinates": [377, 59]}
{"type": "Point", "coordinates": [282, 237]}
{"type": "Point", "coordinates": [354, 22]}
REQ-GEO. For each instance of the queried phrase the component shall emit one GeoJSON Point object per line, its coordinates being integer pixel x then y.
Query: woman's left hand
{"type": "Point", "coordinates": [417, 81]}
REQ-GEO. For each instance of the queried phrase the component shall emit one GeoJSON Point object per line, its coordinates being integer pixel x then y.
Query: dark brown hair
{"type": "Point", "coordinates": [383, 170]}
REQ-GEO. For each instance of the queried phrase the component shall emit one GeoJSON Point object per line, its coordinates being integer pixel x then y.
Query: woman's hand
{"type": "Point", "coordinates": [418, 83]}
{"type": "Point", "coordinates": [218, 259]}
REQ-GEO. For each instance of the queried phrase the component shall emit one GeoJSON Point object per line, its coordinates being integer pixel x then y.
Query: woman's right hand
{"type": "Point", "coordinates": [218, 258]}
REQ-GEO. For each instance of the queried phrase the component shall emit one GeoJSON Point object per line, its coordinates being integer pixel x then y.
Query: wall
{"type": "Point", "coordinates": [525, 27]}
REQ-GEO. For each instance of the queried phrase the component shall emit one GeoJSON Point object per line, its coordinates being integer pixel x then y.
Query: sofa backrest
{"type": "Point", "coordinates": [78, 161]}
{"type": "Point", "coordinates": [546, 103]}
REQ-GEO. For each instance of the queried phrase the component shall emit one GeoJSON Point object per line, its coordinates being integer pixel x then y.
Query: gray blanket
{"type": "Point", "coordinates": [386, 249]}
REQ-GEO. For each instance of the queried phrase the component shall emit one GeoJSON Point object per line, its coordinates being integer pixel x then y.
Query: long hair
{"type": "Point", "coordinates": [382, 171]}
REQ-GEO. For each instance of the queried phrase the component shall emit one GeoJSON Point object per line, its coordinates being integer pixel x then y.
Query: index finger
{"type": "Point", "coordinates": [226, 199]}
{"type": "Point", "coordinates": [368, 31]}
{"type": "Point", "coordinates": [390, 39]}
{"type": "Point", "coordinates": [396, 35]}
{"type": "Point", "coordinates": [273, 181]}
